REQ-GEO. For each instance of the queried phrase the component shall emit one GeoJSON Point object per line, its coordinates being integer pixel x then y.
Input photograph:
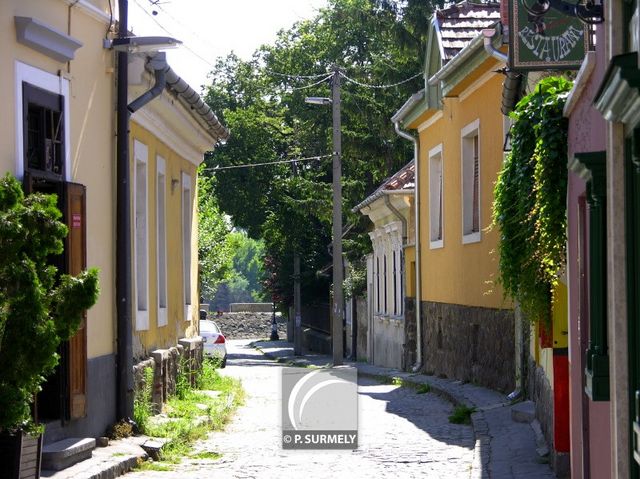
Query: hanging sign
{"type": "Point", "coordinates": [546, 35]}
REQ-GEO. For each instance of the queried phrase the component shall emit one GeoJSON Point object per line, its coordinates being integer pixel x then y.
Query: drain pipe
{"type": "Point", "coordinates": [488, 36]}
{"type": "Point", "coordinates": [411, 138]}
{"type": "Point", "coordinates": [158, 63]}
{"type": "Point", "coordinates": [124, 356]}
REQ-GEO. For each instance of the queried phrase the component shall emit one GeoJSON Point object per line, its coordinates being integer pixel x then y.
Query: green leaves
{"type": "Point", "coordinates": [262, 102]}
{"type": "Point", "coordinates": [38, 310]}
{"type": "Point", "coordinates": [530, 195]}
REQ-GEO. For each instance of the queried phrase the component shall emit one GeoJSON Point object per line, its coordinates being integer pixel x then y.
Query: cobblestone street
{"type": "Point", "coordinates": [402, 434]}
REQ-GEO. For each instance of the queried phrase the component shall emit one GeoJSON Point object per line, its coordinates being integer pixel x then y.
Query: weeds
{"type": "Point", "coordinates": [462, 414]}
{"type": "Point", "coordinates": [143, 401]}
{"type": "Point", "coordinates": [191, 413]}
{"type": "Point", "coordinates": [423, 389]}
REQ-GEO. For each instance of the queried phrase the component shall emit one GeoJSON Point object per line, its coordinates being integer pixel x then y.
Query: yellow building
{"type": "Point", "coordinates": [465, 327]}
{"type": "Point", "coordinates": [169, 137]}
{"type": "Point", "coordinates": [59, 136]}
{"type": "Point", "coordinates": [56, 72]}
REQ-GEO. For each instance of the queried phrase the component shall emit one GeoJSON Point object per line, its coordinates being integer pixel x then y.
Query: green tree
{"type": "Point", "coordinates": [214, 254]}
{"type": "Point", "coordinates": [38, 307]}
{"type": "Point", "coordinates": [262, 101]}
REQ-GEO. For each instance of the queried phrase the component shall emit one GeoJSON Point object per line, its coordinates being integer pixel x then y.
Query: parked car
{"type": "Point", "coordinates": [214, 342]}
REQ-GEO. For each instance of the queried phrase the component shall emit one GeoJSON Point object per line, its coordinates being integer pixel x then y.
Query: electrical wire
{"type": "Point", "coordinates": [313, 84]}
{"type": "Point", "coordinates": [294, 77]}
{"type": "Point", "coordinates": [252, 165]}
{"type": "Point", "coordinates": [106, 34]}
{"type": "Point", "coordinates": [366, 85]}
{"type": "Point", "coordinates": [171, 34]}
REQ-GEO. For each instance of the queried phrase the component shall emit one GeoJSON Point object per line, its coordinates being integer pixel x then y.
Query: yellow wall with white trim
{"type": "Point", "coordinates": [461, 273]}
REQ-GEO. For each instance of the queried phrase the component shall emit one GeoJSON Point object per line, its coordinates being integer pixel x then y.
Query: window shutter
{"type": "Point", "coordinates": [75, 248]}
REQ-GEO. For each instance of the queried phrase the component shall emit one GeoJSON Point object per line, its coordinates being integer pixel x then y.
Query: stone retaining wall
{"type": "Point", "coordinates": [470, 344]}
{"type": "Point", "coordinates": [249, 325]}
{"type": "Point", "coordinates": [251, 307]}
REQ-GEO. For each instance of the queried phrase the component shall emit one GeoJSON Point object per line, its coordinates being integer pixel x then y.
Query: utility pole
{"type": "Point", "coordinates": [338, 301]}
{"type": "Point", "coordinates": [297, 325]}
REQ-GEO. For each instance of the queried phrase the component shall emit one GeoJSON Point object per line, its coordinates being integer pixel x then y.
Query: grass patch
{"type": "Point", "coordinates": [206, 455]}
{"type": "Point", "coordinates": [423, 389]}
{"type": "Point", "coordinates": [462, 415]}
{"type": "Point", "coordinates": [153, 466]}
{"type": "Point", "coordinates": [190, 414]}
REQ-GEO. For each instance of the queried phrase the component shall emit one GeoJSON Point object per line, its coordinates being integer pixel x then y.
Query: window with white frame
{"type": "Point", "coordinates": [186, 243]}
{"type": "Point", "coordinates": [161, 227]}
{"type": "Point", "coordinates": [141, 242]}
{"type": "Point", "coordinates": [470, 160]}
{"type": "Point", "coordinates": [436, 197]}
{"type": "Point", "coordinates": [54, 145]}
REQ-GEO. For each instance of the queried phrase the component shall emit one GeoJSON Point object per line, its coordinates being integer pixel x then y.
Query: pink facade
{"type": "Point", "coordinates": [589, 420]}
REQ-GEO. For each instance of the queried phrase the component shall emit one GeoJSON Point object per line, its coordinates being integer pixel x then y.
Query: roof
{"type": "Point", "coordinates": [401, 181]}
{"type": "Point", "coordinates": [458, 24]}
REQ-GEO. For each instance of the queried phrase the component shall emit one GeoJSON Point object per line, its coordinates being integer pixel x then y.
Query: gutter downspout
{"type": "Point", "coordinates": [403, 220]}
{"type": "Point", "coordinates": [124, 355]}
{"type": "Point", "coordinates": [159, 65]}
{"type": "Point", "coordinates": [407, 136]}
{"type": "Point", "coordinates": [488, 35]}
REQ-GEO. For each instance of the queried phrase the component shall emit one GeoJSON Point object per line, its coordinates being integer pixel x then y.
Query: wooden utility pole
{"type": "Point", "coordinates": [338, 273]}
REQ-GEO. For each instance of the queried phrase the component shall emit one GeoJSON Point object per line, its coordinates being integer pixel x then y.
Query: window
{"type": "Point", "coordinates": [395, 284]}
{"type": "Point", "coordinates": [435, 197]}
{"type": "Point", "coordinates": [42, 119]}
{"type": "Point", "coordinates": [161, 232]}
{"type": "Point", "coordinates": [385, 283]}
{"type": "Point", "coordinates": [186, 244]}
{"type": "Point", "coordinates": [471, 183]}
{"type": "Point", "coordinates": [140, 153]}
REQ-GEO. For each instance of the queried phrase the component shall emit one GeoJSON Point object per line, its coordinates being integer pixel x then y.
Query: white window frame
{"type": "Point", "coordinates": [467, 133]}
{"type": "Point", "coordinates": [141, 234]}
{"type": "Point", "coordinates": [436, 153]}
{"type": "Point", "coordinates": [55, 84]}
{"type": "Point", "coordinates": [187, 224]}
{"type": "Point", "coordinates": [161, 240]}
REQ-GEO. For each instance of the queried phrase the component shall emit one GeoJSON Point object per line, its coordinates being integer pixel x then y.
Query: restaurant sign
{"type": "Point", "coordinates": [546, 35]}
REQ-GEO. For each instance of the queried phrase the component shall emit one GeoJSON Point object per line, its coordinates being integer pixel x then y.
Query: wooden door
{"type": "Point", "coordinates": [75, 252]}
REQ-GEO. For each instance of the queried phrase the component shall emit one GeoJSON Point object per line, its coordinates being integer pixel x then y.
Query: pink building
{"type": "Point", "coordinates": [586, 273]}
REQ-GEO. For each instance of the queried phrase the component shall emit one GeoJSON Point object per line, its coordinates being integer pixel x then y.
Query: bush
{"type": "Point", "coordinates": [38, 308]}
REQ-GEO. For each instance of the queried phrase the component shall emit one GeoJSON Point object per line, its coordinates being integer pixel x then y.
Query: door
{"type": "Point", "coordinates": [76, 258]}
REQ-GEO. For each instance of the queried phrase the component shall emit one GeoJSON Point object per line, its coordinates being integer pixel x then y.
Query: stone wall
{"type": "Point", "coordinates": [249, 325]}
{"type": "Point", "coordinates": [469, 344]}
{"type": "Point", "coordinates": [166, 365]}
{"type": "Point", "coordinates": [362, 316]}
{"type": "Point", "coordinates": [251, 307]}
{"type": "Point", "coordinates": [409, 333]}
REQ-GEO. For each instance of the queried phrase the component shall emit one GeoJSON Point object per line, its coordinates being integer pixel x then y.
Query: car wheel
{"type": "Point", "coordinates": [224, 362]}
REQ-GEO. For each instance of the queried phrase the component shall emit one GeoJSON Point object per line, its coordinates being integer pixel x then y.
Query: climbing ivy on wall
{"type": "Point", "coordinates": [530, 199]}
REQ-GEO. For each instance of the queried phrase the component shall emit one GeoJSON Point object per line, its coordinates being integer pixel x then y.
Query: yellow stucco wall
{"type": "Point", "coordinates": [91, 116]}
{"type": "Point", "coordinates": [463, 273]}
{"type": "Point", "coordinates": [177, 327]}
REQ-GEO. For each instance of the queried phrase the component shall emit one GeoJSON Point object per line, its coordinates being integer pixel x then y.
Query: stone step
{"type": "Point", "coordinates": [523, 412]}
{"type": "Point", "coordinates": [63, 454]}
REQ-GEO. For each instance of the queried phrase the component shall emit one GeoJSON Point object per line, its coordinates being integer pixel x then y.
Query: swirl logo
{"type": "Point", "coordinates": [319, 400]}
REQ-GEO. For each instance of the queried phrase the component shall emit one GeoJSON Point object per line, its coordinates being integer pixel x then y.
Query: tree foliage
{"type": "Point", "coordinates": [374, 42]}
{"type": "Point", "coordinates": [533, 226]}
{"type": "Point", "coordinates": [38, 308]}
{"type": "Point", "coordinates": [214, 253]}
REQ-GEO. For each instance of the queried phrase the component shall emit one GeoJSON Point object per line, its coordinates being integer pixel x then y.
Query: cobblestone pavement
{"type": "Point", "coordinates": [402, 434]}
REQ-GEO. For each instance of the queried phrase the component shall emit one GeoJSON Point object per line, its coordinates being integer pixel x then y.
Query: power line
{"type": "Point", "coordinates": [171, 34]}
{"type": "Point", "coordinates": [252, 165]}
{"type": "Point", "coordinates": [312, 84]}
{"type": "Point", "coordinates": [366, 85]}
{"type": "Point", "coordinates": [295, 77]}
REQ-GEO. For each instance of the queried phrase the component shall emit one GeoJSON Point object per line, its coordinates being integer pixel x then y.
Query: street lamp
{"type": "Point", "coordinates": [336, 326]}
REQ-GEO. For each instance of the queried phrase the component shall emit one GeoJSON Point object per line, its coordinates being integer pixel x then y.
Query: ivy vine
{"type": "Point", "coordinates": [530, 199]}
